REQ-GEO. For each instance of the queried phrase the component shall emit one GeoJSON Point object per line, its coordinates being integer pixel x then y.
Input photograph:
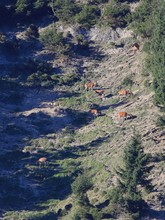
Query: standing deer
{"type": "Point", "coordinates": [123, 92]}
{"type": "Point", "coordinates": [125, 115]}
{"type": "Point", "coordinates": [95, 112]}
{"type": "Point", "coordinates": [99, 91]}
{"type": "Point", "coordinates": [122, 115]}
{"type": "Point", "coordinates": [101, 94]}
{"type": "Point", "coordinates": [89, 85]}
{"type": "Point", "coordinates": [42, 161]}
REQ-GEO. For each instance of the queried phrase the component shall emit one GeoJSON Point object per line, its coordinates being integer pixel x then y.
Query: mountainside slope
{"type": "Point", "coordinates": [56, 123]}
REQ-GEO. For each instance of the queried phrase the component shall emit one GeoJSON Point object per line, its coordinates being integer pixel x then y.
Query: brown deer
{"type": "Point", "coordinates": [99, 91]}
{"type": "Point", "coordinates": [101, 94]}
{"type": "Point", "coordinates": [42, 161]}
{"type": "Point", "coordinates": [125, 115]}
{"type": "Point", "coordinates": [123, 92]}
{"type": "Point", "coordinates": [95, 112]}
{"type": "Point", "coordinates": [89, 85]}
{"type": "Point", "coordinates": [122, 114]}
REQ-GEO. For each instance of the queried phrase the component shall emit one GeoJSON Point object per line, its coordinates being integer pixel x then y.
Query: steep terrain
{"type": "Point", "coordinates": [56, 123]}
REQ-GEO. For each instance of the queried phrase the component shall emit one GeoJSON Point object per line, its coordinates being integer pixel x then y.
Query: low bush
{"type": "Point", "coordinates": [32, 31]}
{"type": "Point", "coordinates": [141, 18]}
{"type": "Point", "coordinates": [127, 81]}
{"type": "Point", "coordinates": [116, 14]}
{"type": "Point", "coordinates": [148, 20]}
{"type": "Point", "coordinates": [31, 9]}
{"type": "Point", "coordinates": [88, 16]}
{"type": "Point", "coordinates": [81, 184]}
{"type": "Point", "coordinates": [160, 121]}
{"type": "Point", "coordinates": [54, 41]}
{"type": "Point", "coordinates": [64, 10]}
{"type": "Point", "coordinates": [30, 215]}
{"type": "Point", "coordinates": [33, 66]}
{"type": "Point", "coordinates": [68, 79]}
{"type": "Point", "coordinates": [82, 42]}
{"type": "Point", "coordinates": [40, 80]}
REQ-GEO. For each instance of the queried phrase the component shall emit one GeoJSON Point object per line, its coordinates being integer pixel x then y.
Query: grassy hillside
{"type": "Point", "coordinates": [49, 51]}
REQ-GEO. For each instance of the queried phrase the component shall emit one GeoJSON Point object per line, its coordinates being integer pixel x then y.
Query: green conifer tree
{"type": "Point", "coordinates": [133, 177]}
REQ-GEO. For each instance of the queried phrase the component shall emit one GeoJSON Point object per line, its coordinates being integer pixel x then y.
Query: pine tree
{"type": "Point", "coordinates": [133, 177]}
{"type": "Point", "coordinates": [149, 21]}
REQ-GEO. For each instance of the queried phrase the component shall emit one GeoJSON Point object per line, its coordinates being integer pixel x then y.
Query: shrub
{"type": "Point", "coordinates": [64, 10]}
{"type": "Point", "coordinates": [159, 87]}
{"type": "Point", "coordinates": [69, 79]}
{"type": "Point", "coordinates": [39, 79]}
{"type": "Point", "coordinates": [66, 79]}
{"type": "Point", "coordinates": [82, 42]}
{"type": "Point", "coordinates": [141, 19]}
{"type": "Point", "coordinates": [116, 14]}
{"type": "Point", "coordinates": [149, 21]}
{"type": "Point", "coordinates": [32, 31]}
{"type": "Point", "coordinates": [146, 83]}
{"type": "Point", "coordinates": [34, 73]}
{"type": "Point", "coordinates": [33, 65]}
{"type": "Point", "coordinates": [114, 195]}
{"type": "Point", "coordinates": [31, 8]}
{"type": "Point", "coordinates": [90, 2]}
{"type": "Point", "coordinates": [88, 16]}
{"type": "Point", "coordinates": [21, 6]}
{"type": "Point", "coordinates": [81, 185]}
{"type": "Point", "coordinates": [81, 213]}
{"type": "Point", "coordinates": [127, 81]}
{"type": "Point", "coordinates": [30, 215]}
{"type": "Point", "coordinates": [161, 121]}
{"type": "Point", "coordinates": [54, 41]}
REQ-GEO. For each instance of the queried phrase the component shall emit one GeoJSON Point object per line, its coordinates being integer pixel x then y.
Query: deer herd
{"type": "Point", "coordinates": [43, 161]}
{"type": "Point", "coordinates": [101, 92]}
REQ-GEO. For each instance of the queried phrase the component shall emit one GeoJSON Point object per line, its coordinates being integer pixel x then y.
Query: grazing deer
{"type": "Point", "coordinates": [42, 161]}
{"type": "Point", "coordinates": [95, 112]}
{"type": "Point", "coordinates": [125, 115]}
{"type": "Point", "coordinates": [89, 85]}
{"type": "Point", "coordinates": [123, 92]}
{"type": "Point", "coordinates": [99, 91]}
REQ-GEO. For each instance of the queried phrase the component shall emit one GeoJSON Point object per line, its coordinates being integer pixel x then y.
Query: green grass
{"type": "Point", "coordinates": [74, 102]}
{"type": "Point", "coordinates": [30, 215]}
{"type": "Point", "coordinates": [88, 136]}
{"type": "Point", "coordinates": [65, 141]}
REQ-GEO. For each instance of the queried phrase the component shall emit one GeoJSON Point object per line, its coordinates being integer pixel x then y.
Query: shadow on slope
{"type": "Point", "coordinates": [28, 183]}
{"type": "Point", "coordinates": [22, 180]}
